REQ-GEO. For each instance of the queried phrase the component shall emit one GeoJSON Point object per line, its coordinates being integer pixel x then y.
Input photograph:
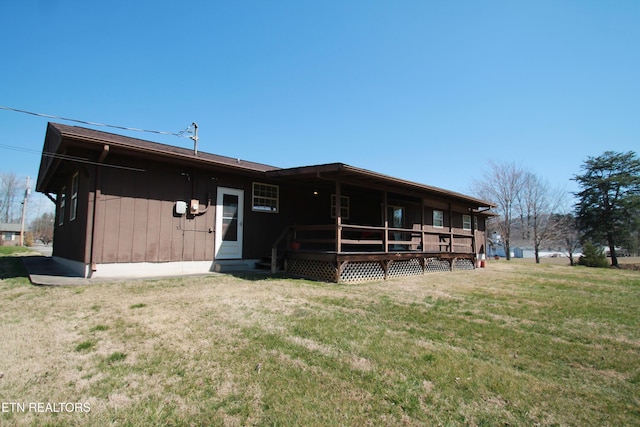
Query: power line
{"type": "Point", "coordinates": [70, 158]}
{"type": "Point", "coordinates": [182, 133]}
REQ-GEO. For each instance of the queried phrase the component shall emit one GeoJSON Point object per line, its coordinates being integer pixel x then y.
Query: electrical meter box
{"type": "Point", "coordinates": [181, 208]}
{"type": "Point", "coordinates": [194, 207]}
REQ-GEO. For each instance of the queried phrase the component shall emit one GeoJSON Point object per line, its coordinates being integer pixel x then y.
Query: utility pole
{"type": "Point", "coordinates": [27, 191]}
{"type": "Point", "coordinates": [195, 138]}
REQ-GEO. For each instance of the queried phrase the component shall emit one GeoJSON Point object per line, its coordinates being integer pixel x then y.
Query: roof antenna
{"type": "Point", "coordinates": [195, 138]}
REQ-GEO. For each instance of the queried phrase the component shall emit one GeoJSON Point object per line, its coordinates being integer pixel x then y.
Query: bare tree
{"type": "Point", "coordinates": [10, 187]}
{"type": "Point", "coordinates": [537, 202]}
{"type": "Point", "coordinates": [501, 184]}
{"type": "Point", "coordinates": [42, 227]}
{"type": "Point", "coordinates": [568, 236]}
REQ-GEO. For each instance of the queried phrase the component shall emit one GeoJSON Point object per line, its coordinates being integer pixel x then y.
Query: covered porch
{"type": "Point", "coordinates": [352, 225]}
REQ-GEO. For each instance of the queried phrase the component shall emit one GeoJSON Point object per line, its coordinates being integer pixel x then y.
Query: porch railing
{"type": "Point", "coordinates": [347, 238]}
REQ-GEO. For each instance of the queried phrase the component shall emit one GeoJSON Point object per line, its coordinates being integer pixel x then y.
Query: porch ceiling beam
{"type": "Point", "coordinates": [104, 153]}
{"type": "Point", "coordinates": [52, 198]}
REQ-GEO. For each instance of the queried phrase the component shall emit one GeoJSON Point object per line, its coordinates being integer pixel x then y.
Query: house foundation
{"type": "Point", "coordinates": [360, 267]}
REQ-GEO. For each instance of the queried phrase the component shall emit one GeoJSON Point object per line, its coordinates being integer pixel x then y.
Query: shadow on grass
{"type": "Point", "coordinates": [12, 267]}
{"type": "Point", "coordinates": [257, 275]}
{"type": "Point", "coordinates": [265, 276]}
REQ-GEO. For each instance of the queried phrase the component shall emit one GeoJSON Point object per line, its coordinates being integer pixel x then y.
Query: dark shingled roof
{"type": "Point", "coordinates": [332, 170]}
{"type": "Point", "coordinates": [136, 144]}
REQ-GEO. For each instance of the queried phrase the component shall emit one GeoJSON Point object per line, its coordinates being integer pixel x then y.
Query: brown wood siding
{"type": "Point", "coordinates": [71, 236]}
{"type": "Point", "coordinates": [136, 221]}
{"type": "Point", "coordinates": [140, 230]}
{"type": "Point", "coordinates": [124, 228]}
{"type": "Point", "coordinates": [154, 208]}
{"type": "Point", "coordinates": [109, 203]}
{"type": "Point", "coordinates": [260, 229]}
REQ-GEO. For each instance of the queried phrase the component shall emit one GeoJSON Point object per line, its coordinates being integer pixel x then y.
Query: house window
{"type": "Point", "coordinates": [466, 222]}
{"type": "Point", "coordinates": [74, 198]}
{"type": "Point", "coordinates": [62, 202]}
{"type": "Point", "coordinates": [438, 219]}
{"type": "Point", "coordinates": [265, 197]}
{"type": "Point", "coordinates": [344, 206]}
{"type": "Point", "coordinates": [396, 216]}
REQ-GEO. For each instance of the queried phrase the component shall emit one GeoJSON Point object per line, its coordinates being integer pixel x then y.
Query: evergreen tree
{"type": "Point", "coordinates": [593, 256]}
{"type": "Point", "coordinates": [609, 200]}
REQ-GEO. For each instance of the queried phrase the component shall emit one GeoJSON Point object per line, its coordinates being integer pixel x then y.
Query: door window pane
{"type": "Point", "coordinates": [229, 218]}
{"type": "Point", "coordinates": [397, 217]}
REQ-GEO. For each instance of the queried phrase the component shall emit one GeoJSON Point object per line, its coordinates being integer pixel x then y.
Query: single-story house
{"type": "Point", "coordinates": [10, 234]}
{"type": "Point", "coordinates": [127, 206]}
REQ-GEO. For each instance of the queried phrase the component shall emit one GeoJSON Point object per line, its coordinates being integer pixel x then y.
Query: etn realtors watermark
{"type": "Point", "coordinates": [43, 407]}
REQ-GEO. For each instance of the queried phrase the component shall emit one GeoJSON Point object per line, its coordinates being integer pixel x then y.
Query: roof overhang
{"type": "Point", "coordinates": [366, 178]}
{"type": "Point", "coordinates": [61, 138]}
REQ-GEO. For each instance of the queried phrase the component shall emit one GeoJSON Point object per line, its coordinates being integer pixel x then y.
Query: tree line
{"type": "Point", "coordinates": [12, 195]}
{"type": "Point", "coordinates": [11, 189]}
{"type": "Point", "coordinates": [606, 214]}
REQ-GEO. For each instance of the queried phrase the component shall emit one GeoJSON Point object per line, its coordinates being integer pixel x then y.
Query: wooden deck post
{"type": "Point", "coordinates": [338, 217]}
{"type": "Point", "coordinates": [385, 266]}
{"type": "Point", "coordinates": [474, 247]}
{"type": "Point", "coordinates": [450, 229]}
{"type": "Point", "coordinates": [385, 216]}
{"type": "Point", "coordinates": [339, 268]}
{"type": "Point", "coordinates": [422, 233]}
{"type": "Point", "coordinates": [274, 259]}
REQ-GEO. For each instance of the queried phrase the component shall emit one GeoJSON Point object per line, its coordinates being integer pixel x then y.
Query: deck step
{"type": "Point", "coordinates": [232, 265]}
{"type": "Point", "coordinates": [264, 263]}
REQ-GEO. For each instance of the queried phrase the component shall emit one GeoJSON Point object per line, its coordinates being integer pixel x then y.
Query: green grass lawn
{"type": "Point", "coordinates": [514, 344]}
{"type": "Point", "coordinates": [12, 250]}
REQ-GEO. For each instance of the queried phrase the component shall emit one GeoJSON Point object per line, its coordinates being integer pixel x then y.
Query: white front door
{"type": "Point", "coordinates": [229, 220]}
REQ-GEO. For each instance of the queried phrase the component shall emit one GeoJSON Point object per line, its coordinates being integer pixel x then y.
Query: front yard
{"type": "Point", "coordinates": [513, 344]}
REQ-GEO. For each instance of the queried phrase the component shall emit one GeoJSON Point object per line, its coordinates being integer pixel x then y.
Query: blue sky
{"type": "Point", "coordinates": [422, 90]}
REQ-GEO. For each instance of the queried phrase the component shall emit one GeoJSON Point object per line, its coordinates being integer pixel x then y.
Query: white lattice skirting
{"type": "Point", "coordinates": [359, 271]}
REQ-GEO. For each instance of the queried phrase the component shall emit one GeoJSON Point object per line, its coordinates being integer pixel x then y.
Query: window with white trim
{"type": "Point", "coordinates": [265, 197]}
{"type": "Point", "coordinates": [344, 206]}
{"type": "Point", "coordinates": [438, 219]}
{"type": "Point", "coordinates": [74, 197]}
{"type": "Point", "coordinates": [62, 201]}
{"type": "Point", "coordinates": [466, 222]}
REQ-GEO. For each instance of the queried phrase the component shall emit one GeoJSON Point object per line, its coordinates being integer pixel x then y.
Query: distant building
{"type": "Point", "coordinates": [10, 234]}
{"type": "Point", "coordinates": [519, 252]}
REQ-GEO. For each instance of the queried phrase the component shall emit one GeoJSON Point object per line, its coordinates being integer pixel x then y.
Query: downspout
{"type": "Point", "coordinates": [96, 196]}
